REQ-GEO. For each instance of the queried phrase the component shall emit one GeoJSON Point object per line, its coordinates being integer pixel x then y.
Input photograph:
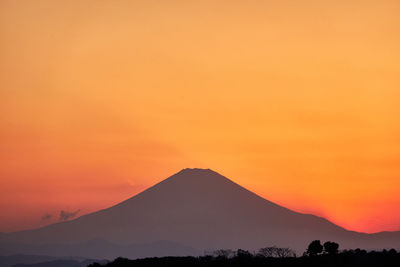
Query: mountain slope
{"type": "Point", "coordinates": [204, 210]}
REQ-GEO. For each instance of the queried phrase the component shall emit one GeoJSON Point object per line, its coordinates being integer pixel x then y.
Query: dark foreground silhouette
{"type": "Point", "coordinates": [315, 255]}
{"type": "Point", "coordinates": [343, 259]}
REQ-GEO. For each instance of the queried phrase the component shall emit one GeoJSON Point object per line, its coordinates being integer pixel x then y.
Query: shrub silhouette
{"type": "Point", "coordinates": [314, 248]}
{"type": "Point", "coordinates": [331, 247]}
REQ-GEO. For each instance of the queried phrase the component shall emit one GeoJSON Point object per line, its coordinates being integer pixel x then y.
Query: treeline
{"type": "Point", "coordinates": [317, 254]}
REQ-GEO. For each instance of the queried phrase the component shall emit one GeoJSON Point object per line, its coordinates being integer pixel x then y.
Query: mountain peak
{"type": "Point", "coordinates": [196, 171]}
{"type": "Point", "coordinates": [198, 174]}
{"type": "Point", "coordinates": [196, 180]}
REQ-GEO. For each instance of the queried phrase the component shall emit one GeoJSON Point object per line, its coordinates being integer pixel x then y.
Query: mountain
{"type": "Point", "coordinates": [199, 209]}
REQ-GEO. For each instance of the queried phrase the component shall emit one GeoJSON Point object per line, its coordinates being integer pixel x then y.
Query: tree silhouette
{"type": "Point", "coordinates": [267, 252]}
{"type": "Point", "coordinates": [223, 253]}
{"type": "Point", "coordinates": [275, 252]}
{"type": "Point", "coordinates": [331, 247]}
{"type": "Point", "coordinates": [285, 253]}
{"type": "Point", "coordinates": [314, 248]}
{"type": "Point", "coordinates": [269, 257]}
{"type": "Point", "coordinates": [243, 254]}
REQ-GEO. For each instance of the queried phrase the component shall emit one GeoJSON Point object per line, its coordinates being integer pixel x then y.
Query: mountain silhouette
{"type": "Point", "coordinates": [199, 209]}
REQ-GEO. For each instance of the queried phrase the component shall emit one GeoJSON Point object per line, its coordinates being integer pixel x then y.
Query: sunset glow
{"type": "Point", "coordinates": [296, 101]}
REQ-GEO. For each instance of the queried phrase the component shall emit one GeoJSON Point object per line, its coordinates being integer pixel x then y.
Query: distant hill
{"type": "Point", "coordinates": [99, 249]}
{"type": "Point", "coordinates": [195, 210]}
{"type": "Point", "coordinates": [61, 263]}
{"type": "Point", "coordinates": [8, 261]}
{"type": "Point", "coordinates": [37, 260]}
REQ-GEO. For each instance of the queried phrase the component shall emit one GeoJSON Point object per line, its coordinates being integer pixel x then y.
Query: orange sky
{"type": "Point", "coordinates": [296, 100]}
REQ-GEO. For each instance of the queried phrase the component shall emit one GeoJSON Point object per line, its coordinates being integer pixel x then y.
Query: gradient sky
{"type": "Point", "coordinates": [298, 101]}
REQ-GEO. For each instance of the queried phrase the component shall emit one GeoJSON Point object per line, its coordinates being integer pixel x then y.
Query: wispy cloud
{"type": "Point", "coordinates": [66, 215]}
{"type": "Point", "coordinates": [47, 217]}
